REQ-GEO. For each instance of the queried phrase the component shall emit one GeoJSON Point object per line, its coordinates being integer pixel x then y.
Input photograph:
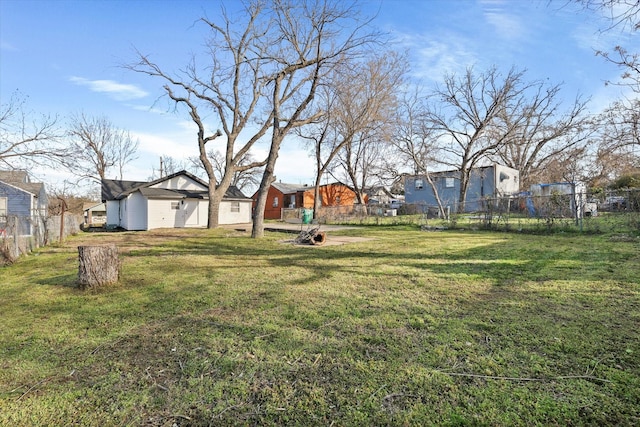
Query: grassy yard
{"type": "Point", "coordinates": [210, 327]}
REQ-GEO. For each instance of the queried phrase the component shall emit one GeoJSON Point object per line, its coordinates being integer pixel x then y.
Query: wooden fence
{"type": "Point", "coordinates": [20, 235]}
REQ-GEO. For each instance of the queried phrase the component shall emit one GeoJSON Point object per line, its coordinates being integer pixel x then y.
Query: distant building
{"type": "Point", "coordinates": [21, 198]}
{"type": "Point", "coordinates": [291, 196]}
{"type": "Point", "coordinates": [484, 182]}
{"type": "Point", "coordinates": [570, 200]}
{"type": "Point", "coordinates": [95, 214]}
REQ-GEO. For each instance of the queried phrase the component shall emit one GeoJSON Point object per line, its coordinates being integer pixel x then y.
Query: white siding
{"type": "Point", "coordinates": [113, 212]}
{"type": "Point", "coordinates": [203, 212]}
{"type": "Point", "coordinates": [136, 212]}
{"type": "Point", "coordinates": [507, 180]}
{"type": "Point", "coordinates": [191, 213]}
{"type": "Point", "coordinates": [162, 216]}
{"type": "Point", "coordinates": [180, 183]}
{"type": "Point", "coordinates": [226, 216]}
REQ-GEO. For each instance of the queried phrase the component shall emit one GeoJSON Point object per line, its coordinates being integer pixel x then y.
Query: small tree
{"type": "Point", "coordinates": [357, 102]}
{"type": "Point", "coordinates": [414, 142]}
{"type": "Point", "coordinates": [98, 147]}
{"type": "Point", "coordinates": [541, 130]}
{"type": "Point", "coordinates": [27, 138]}
{"type": "Point", "coordinates": [368, 98]}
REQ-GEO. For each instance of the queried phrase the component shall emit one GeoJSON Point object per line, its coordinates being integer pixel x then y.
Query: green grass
{"type": "Point", "coordinates": [210, 327]}
{"type": "Point", "coordinates": [621, 223]}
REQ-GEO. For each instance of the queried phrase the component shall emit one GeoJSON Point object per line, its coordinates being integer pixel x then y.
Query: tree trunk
{"type": "Point", "coordinates": [99, 266]}
{"type": "Point", "coordinates": [257, 230]}
{"type": "Point", "coordinates": [215, 198]}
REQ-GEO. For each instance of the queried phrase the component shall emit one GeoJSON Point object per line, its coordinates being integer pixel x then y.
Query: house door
{"type": "Point", "coordinates": [190, 210]}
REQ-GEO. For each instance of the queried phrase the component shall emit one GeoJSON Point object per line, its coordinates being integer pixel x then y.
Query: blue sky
{"type": "Point", "coordinates": [66, 56]}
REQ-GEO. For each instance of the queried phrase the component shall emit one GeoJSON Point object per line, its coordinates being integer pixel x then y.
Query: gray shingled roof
{"type": "Point", "coordinates": [289, 188]}
{"type": "Point", "coordinates": [163, 193]}
{"type": "Point", "coordinates": [112, 188]}
{"type": "Point", "coordinates": [234, 192]}
{"type": "Point", "coordinates": [116, 189]}
{"type": "Point", "coordinates": [13, 177]}
{"type": "Point", "coordinates": [20, 179]}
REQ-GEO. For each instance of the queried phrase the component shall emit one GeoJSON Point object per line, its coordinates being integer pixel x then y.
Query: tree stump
{"type": "Point", "coordinates": [99, 266]}
{"type": "Point", "coordinates": [319, 239]}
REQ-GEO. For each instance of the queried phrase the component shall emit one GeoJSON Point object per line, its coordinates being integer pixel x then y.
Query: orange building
{"type": "Point", "coordinates": [294, 196]}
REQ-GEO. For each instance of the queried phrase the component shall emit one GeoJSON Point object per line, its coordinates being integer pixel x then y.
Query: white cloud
{"type": "Point", "coordinates": [180, 147]}
{"type": "Point", "coordinates": [118, 91]}
{"type": "Point", "coordinates": [435, 58]}
{"type": "Point", "coordinates": [507, 25]}
{"type": "Point", "coordinates": [294, 165]}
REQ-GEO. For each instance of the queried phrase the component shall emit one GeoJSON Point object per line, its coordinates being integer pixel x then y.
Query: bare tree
{"type": "Point", "coordinates": [361, 161]}
{"type": "Point", "coordinates": [605, 165]}
{"type": "Point", "coordinates": [231, 82]}
{"type": "Point", "coordinates": [323, 139]}
{"type": "Point", "coordinates": [619, 125]}
{"type": "Point", "coordinates": [168, 165]}
{"type": "Point", "coordinates": [618, 136]}
{"type": "Point", "coordinates": [261, 72]}
{"type": "Point", "coordinates": [357, 105]}
{"type": "Point", "coordinates": [467, 119]}
{"type": "Point", "coordinates": [624, 15]}
{"type": "Point", "coordinates": [542, 131]}
{"type": "Point", "coordinates": [98, 148]}
{"type": "Point", "coordinates": [414, 141]}
{"type": "Point", "coordinates": [244, 180]}
{"type": "Point", "coordinates": [312, 42]}
{"type": "Point", "coordinates": [27, 138]}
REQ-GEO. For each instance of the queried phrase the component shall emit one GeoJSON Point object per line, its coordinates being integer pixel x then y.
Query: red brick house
{"type": "Point", "coordinates": [294, 196]}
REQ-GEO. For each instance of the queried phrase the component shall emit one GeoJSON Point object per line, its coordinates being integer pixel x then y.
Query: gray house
{"type": "Point", "coordinates": [21, 198]}
{"type": "Point", "coordinates": [484, 182]}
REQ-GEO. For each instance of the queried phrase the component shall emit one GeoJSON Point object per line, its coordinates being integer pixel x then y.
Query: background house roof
{"type": "Point", "coordinates": [116, 189]}
{"type": "Point", "coordinates": [93, 206]}
{"type": "Point", "coordinates": [288, 188]}
{"type": "Point", "coordinates": [234, 192]}
{"type": "Point", "coordinates": [13, 177]}
{"type": "Point", "coordinates": [20, 179]}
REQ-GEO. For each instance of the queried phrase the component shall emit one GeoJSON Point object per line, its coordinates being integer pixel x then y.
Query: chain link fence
{"type": "Point", "coordinates": [605, 212]}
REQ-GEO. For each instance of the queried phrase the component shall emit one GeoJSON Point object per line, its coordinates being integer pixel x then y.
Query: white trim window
{"type": "Point", "coordinates": [235, 206]}
{"type": "Point", "coordinates": [3, 206]}
{"type": "Point", "coordinates": [419, 184]}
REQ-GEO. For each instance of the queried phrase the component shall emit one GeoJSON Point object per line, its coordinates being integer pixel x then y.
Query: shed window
{"type": "Point", "coordinates": [449, 182]}
{"type": "Point", "coordinates": [3, 206]}
{"type": "Point", "coordinates": [175, 205]}
{"type": "Point", "coordinates": [419, 184]}
{"type": "Point", "coordinates": [235, 206]}
{"type": "Point", "coordinates": [275, 202]}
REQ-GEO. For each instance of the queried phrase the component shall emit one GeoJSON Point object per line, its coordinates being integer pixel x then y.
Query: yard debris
{"type": "Point", "coordinates": [311, 236]}
{"type": "Point", "coordinates": [432, 228]}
